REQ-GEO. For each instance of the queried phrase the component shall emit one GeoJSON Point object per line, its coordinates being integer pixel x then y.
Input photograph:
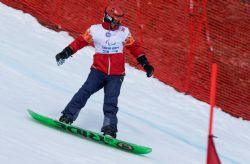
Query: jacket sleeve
{"type": "Point", "coordinates": [81, 41]}
{"type": "Point", "coordinates": [134, 48]}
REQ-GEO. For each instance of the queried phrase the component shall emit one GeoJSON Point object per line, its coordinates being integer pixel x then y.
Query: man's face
{"type": "Point", "coordinates": [115, 23]}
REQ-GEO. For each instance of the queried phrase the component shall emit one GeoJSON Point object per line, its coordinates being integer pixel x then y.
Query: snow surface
{"type": "Point", "coordinates": [151, 113]}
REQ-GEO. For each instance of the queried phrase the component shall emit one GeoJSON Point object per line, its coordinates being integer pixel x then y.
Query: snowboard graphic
{"type": "Point", "coordinates": [123, 145]}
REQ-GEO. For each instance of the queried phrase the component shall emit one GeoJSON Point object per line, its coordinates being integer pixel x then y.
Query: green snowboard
{"type": "Point", "coordinates": [133, 148]}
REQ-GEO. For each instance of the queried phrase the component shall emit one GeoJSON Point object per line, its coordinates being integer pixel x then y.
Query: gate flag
{"type": "Point", "coordinates": [212, 156]}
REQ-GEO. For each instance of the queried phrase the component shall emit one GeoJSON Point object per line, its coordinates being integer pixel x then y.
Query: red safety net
{"type": "Point", "coordinates": [182, 38]}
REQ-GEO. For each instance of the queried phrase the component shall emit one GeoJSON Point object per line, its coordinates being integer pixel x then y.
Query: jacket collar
{"type": "Point", "coordinates": [106, 26]}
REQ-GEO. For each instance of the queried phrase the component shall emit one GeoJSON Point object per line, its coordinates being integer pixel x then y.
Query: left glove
{"type": "Point", "coordinates": [145, 64]}
{"type": "Point", "coordinates": [65, 54]}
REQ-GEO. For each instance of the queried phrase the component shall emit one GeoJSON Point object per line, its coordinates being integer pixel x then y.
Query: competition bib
{"type": "Point", "coordinates": [107, 41]}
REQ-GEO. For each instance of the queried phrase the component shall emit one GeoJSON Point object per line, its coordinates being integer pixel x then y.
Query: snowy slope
{"type": "Point", "coordinates": [151, 113]}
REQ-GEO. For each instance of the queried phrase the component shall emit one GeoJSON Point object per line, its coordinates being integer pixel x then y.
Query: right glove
{"type": "Point", "coordinates": [65, 54]}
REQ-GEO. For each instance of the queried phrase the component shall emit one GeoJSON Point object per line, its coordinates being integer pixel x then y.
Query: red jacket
{"type": "Point", "coordinates": [111, 64]}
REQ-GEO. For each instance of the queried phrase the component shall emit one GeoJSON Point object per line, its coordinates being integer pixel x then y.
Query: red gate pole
{"type": "Point", "coordinates": [193, 41]}
{"type": "Point", "coordinates": [212, 156]}
{"type": "Point", "coordinates": [212, 97]}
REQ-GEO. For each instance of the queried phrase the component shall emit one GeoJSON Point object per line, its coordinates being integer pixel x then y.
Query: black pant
{"type": "Point", "coordinates": [96, 81]}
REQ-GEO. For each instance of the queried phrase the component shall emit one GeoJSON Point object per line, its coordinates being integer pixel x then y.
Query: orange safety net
{"type": "Point", "coordinates": [182, 38]}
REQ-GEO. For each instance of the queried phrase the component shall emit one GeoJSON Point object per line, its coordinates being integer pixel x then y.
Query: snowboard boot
{"type": "Point", "coordinates": [66, 119]}
{"type": "Point", "coordinates": [109, 131]}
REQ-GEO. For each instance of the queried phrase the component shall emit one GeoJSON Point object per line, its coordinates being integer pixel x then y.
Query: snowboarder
{"type": "Point", "coordinates": [108, 68]}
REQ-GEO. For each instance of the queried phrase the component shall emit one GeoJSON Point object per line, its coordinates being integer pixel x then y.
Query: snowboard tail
{"type": "Point", "coordinates": [130, 147]}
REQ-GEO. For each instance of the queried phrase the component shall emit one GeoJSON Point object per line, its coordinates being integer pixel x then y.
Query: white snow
{"type": "Point", "coordinates": [151, 113]}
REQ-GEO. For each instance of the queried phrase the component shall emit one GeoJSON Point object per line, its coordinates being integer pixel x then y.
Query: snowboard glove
{"type": "Point", "coordinates": [65, 54]}
{"type": "Point", "coordinates": [146, 66]}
